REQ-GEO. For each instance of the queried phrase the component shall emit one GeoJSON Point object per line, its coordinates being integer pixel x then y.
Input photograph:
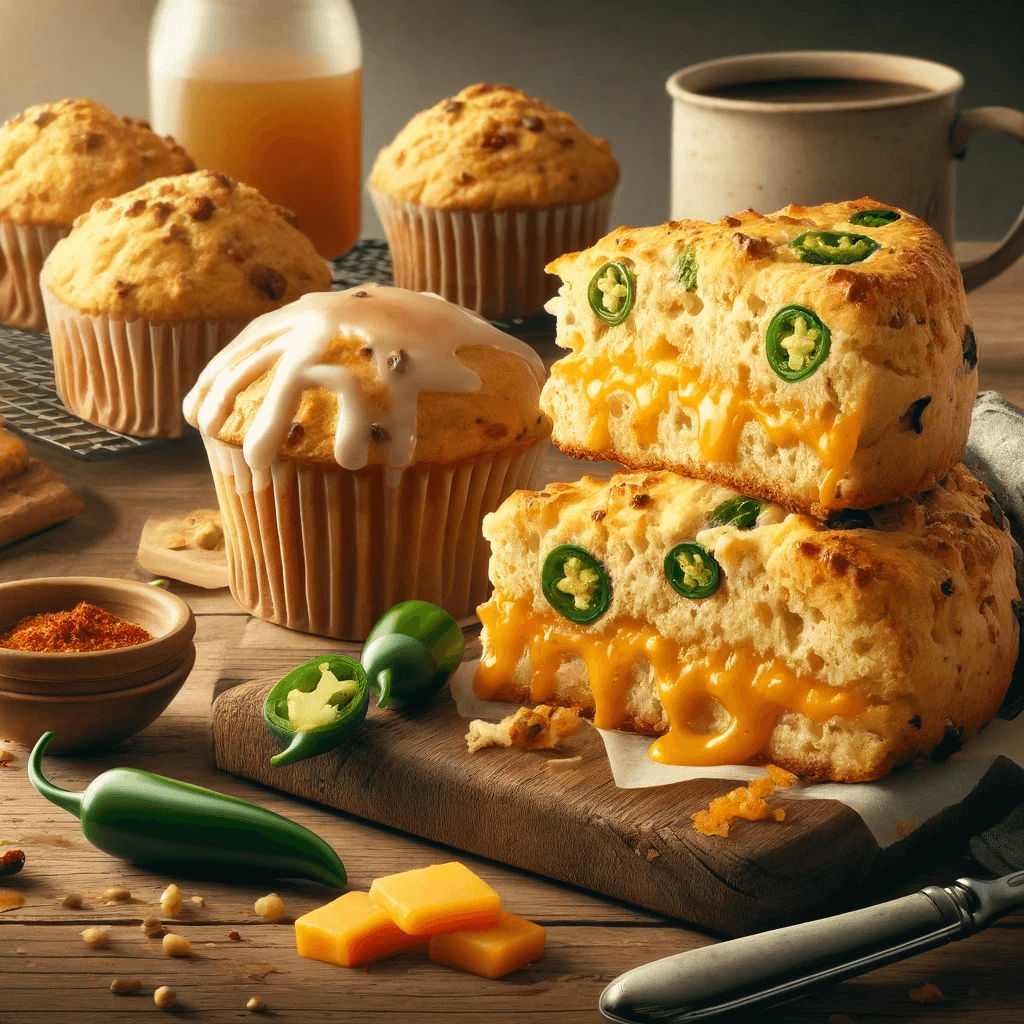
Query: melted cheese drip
{"type": "Point", "coordinates": [753, 690]}
{"type": "Point", "coordinates": [293, 341]}
{"type": "Point", "coordinates": [722, 412]}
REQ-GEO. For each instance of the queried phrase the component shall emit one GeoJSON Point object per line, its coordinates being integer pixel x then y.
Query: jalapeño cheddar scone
{"type": "Point", "coordinates": [736, 631]}
{"type": "Point", "coordinates": [821, 357]}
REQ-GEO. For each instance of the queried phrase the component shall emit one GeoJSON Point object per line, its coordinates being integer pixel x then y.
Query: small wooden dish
{"type": "Point", "coordinates": [92, 698]}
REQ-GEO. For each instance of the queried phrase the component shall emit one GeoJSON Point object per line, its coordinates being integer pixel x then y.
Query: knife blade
{"type": "Point", "coordinates": [776, 966]}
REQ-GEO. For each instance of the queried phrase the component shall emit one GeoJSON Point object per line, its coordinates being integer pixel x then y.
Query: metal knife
{"type": "Point", "coordinates": [785, 963]}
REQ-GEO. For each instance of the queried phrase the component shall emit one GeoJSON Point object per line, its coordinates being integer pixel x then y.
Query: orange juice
{"type": "Point", "coordinates": [297, 140]}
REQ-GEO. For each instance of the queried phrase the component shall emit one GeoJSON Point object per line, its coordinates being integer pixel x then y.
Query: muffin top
{"type": "Point", "coordinates": [195, 246]}
{"type": "Point", "coordinates": [57, 159]}
{"type": "Point", "coordinates": [371, 376]}
{"type": "Point", "coordinates": [494, 147]}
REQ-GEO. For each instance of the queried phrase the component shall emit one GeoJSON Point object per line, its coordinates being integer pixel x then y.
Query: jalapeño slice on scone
{"type": "Point", "coordinates": [833, 247]}
{"type": "Point", "coordinates": [612, 292]}
{"type": "Point", "coordinates": [575, 584]}
{"type": "Point", "coordinates": [796, 343]}
{"type": "Point", "coordinates": [741, 512]}
{"type": "Point", "coordinates": [692, 570]}
{"type": "Point", "coordinates": [686, 269]}
{"type": "Point", "coordinates": [874, 218]}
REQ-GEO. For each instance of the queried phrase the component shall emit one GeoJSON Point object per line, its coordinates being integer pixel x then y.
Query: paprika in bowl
{"type": "Point", "coordinates": [89, 697]}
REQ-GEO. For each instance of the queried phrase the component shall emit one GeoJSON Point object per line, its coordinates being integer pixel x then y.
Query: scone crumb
{"type": "Point", "coordinates": [539, 728]}
{"type": "Point", "coordinates": [746, 802]}
{"type": "Point", "coordinates": [927, 993]}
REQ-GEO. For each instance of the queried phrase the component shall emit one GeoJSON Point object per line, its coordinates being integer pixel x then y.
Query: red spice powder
{"type": "Point", "coordinates": [85, 628]}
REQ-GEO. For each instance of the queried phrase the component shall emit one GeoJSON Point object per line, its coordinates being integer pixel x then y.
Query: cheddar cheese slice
{"type": "Point", "coordinates": [439, 898]}
{"type": "Point", "coordinates": [350, 930]}
{"type": "Point", "coordinates": [491, 952]}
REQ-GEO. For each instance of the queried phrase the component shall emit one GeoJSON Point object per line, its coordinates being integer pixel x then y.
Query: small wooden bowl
{"type": "Point", "coordinates": [93, 697]}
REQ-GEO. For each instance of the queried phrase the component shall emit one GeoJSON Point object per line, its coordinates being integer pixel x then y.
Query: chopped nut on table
{"type": "Point", "coordinates": [165, 997]}
{"type": "Point", "coordinates": [95, 938]}
{"type": "Point", "coordinates": [122, 986]}
{"type": "Point", "coordinates": [170, 901]}
{"type": "Point", "coordinates": [745, 802]}
{"type": "Point", "coordinates": [256, 1005]}
{"type": "Point", "coordinates": [152, 927]}
{"type": "Point", "coordinates": [270, 908]}
{"type": "Point", "coordinates": [176, 945]}
{"type": "Point", "coordinates": [115, 894]}
{"type": "Point", "coordinates": [73, 899]}
{"type": "Point", "coordinates": [539, 728]}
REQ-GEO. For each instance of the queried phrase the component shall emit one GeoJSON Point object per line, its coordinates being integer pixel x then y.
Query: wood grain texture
{"type": "Point", "coordinates": [414, 773]}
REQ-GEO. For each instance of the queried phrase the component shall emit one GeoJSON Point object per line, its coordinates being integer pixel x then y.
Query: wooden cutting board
{"type": "Point", "coordinates": [413, 772]}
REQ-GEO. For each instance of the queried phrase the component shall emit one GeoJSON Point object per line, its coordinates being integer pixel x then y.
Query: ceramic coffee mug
{"type": "Point", "coordinates": [810, 127]}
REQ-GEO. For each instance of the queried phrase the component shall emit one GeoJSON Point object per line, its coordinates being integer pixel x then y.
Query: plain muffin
{"type": "Point", "coordinates": [56, 160]}
{"type": "Point", "coordinates": [478, 192]}
{"type": "Point", "coordinates": [357, 439]}
{"type": "Point", "coordinates": [149, 285]}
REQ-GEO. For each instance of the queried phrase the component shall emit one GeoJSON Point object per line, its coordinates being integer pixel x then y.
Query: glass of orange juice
{"type": "Point", "coordinates": [269, 92]}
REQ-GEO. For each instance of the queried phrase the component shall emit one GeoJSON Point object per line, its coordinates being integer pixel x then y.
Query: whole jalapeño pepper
{"type": "Point", "coordinates": [410, 652]}
{"type": "Point", "coordinates": [316, 707]}
{"type": "Point", "coordinates": [149, 819]}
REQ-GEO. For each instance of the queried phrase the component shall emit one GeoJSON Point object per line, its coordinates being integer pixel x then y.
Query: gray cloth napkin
{"type": "Point", "coordinates": [995, 455]}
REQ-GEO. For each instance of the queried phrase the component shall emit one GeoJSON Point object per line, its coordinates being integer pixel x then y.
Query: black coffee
{"type": "Point", "coordinates": [816, 90]}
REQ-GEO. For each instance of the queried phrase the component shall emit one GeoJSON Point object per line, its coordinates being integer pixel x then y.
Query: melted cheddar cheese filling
{"type": "Point", "coordinates": [752, 690]}
{"type": "Point", "coordinates": [722, 412]}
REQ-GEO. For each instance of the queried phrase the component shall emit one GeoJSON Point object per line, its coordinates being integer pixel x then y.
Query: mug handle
{"type": "Point", "coordinates": [971, 123]}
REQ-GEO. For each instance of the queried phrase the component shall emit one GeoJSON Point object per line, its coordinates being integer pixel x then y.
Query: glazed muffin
{"type": "Point", "coordinates": [357, 439]}
{"type": "Point", "coordinates": [479, 192]}
{"type": "Point", "coordinates": [56, 160]}
{"type": "Point", "coordinates": [150, 284]}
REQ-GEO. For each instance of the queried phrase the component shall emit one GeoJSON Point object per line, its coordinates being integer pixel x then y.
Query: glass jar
{"type": "Point", "coordinates": [269, 92]}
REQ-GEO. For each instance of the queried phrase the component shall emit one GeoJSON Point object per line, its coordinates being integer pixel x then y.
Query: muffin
{"type": "Point", "coordinates": [149, 285]}
{"type": "Point", "coordinates": [357, 439]}
{"type": "Point", "coordinates": [56, 160]}
{"type": "Point", "coordinates": [479, 192]}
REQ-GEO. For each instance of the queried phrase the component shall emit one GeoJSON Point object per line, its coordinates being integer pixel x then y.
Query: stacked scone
{"type": "Point", "coordinates": [796, 568]}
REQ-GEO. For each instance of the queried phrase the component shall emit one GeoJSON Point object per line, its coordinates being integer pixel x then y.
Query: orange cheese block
{"type": "Point", "coordinates": [492, 952]}
{"type": "Point", "coordinates": [435, 899]}
{"type": "Point", "coordinates": [350, 930]}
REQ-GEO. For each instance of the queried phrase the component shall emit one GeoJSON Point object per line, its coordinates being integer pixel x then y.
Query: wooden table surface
{"type": "Point", "coordinates": [48, 974]}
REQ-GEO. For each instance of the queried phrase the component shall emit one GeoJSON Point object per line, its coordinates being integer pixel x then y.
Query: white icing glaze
{"type": "Point", "coordinates": [425, 328]}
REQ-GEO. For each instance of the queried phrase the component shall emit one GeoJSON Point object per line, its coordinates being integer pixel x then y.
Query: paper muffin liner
{"type": "Point", "coordinates": [325, 550]}
{"type": "Point", "coordinates": [131, 377]}
{"type": "Point", "coordinates": [23, 250]}
{"type": "Point", "coordinates": [491, 261]}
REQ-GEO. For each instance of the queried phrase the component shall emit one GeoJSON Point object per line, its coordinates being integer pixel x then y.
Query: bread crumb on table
{"type": "Point", "coordinates": [746, 802]}
{"type": "Point", "coordinates": [927, 993]}
{"type": "Point", "coordinates": [539, 728]}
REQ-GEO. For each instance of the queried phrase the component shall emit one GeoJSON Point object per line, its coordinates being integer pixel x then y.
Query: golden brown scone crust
{"type": "Point", "coordinates": [900, 376]}
{"type": "Point", "coordinates": [196, 246]}
{"type": "Point", "coordinates": [494, 147]}
{"type": "Point", "coordinates": [57, 159]}
{"type": "Point", "coordinates": [913, 614]}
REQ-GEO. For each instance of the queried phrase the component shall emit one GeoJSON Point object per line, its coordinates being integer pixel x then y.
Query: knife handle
{"type": "Point", "coordinates": [779, 965]}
